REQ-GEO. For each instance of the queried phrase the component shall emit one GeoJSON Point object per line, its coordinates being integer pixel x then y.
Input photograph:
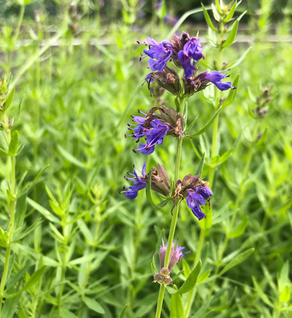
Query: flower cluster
{"type": "Point", "coordinates": [185, 52]}
{"type": "Point", "coordinates": [159, 181]}
{"type": "Point", "coordinates": [196, 192]}
{"type": "Point", "coordinates": [194, 189]}
{"type": "Point", "coordinates": [175, 255]}
{"type": "Point", "coordinates": [154, 127]}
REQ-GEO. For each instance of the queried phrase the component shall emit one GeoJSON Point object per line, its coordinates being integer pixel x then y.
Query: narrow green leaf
{"type": "Point", "coordinates": [4, 141]}
{"type": "Point", "coordinates": [239, 229]}
{"type": "Point", "coordinates": [21, 313]}
{"type": "Point", "coordinates": [153, 266]}
{"type": "Point", "coordinates": [122, 314]}
{"type": "Point", "coordinates": [186, 268]}
{"type": "Point", "coordinates": [13, 146]}
{"type": "Point", "coordinates": [261, 293]}
{"type": "Point", "coordinates": [149, 194]}
{"type": "Point", "coordinates": [191, 281]}
{"type": "Point", "coordinates": [232, 93]}
{"type": "Point", "coordinates": [218, 6]}
{"type": "Point", "coordinates": [207, 18]}
{"type": "Point", "coordinates": [231, 12]}
{"type": "Point", "coordinates": [208, 125]}
{"type": "Point", "coordinates": [9, 99]}
{"type": "Point", "coordinates": [3, 238]}
{"type": "Point", "coordinates": [93, 304]}
{"type": "Point", "coordinates": [42, 210]}
{"type": "Point", "coordinates": [231, 36]}
{"type": "Point", "coordinates": [16, 278]}
{"type": "Point", "coordinates": [30, 229]}
{"type": "Point", "coordinates": [285, 295]}
{"type": "Point", "coordinates": [238, 61]}
{"type": "Point", "coordinates": [68, 156]}
{"type": "Point", "coordinates": [203, 277]}
{"type": "Point", "coordinates": [35, 277]}
{"type": "Point", "coordinates": [201, 166]}
{"type": "Point", "coordinates": [65, 313]}
{"type": "Point", "coordinates": [29, 186]}
{"type": "Point", "coordinates": [10, 307]}
{"type": "Point", "coordinates": [283, 279]}
{"type": "Point", "coordinates": [192, 124]}
{"type": "Point", "coordinates": [237, 20]}
{"type": "Point", "coordinates": [176, 307]}
{"type": "Point", "coordinates": [237, 260]}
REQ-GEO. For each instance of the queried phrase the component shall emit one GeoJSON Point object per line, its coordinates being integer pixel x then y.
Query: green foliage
{"type": "Point", "coordinates": [79, 248]}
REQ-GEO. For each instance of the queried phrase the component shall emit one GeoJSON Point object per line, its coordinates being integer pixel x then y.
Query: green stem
{"type": "Point", "coordinates": [160, 301]}
{"type": "Point", "coordinates": [12, 213]}
{"type": "Point", "coordinates": [174, 218]}
{"type": "Point", "coordinates": [15, 38]}
{"type": "Point", "coordinates": [236, 205]}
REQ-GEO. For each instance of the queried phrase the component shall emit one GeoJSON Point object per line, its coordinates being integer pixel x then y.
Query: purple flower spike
{"type": "Point", "coordinates": [193, 49]}
{"type": "Point", "coordinates": [159, 53]}
{"type": "Point", "coordinates": [154, 136]}
{"type": "Point", "coordinates": [139, 183]}
{"type": "Point", "coordinates": [197, 198]}
{"type": "Point", "coordinates": [185, 61]}
{"type": "Point", "coordinates": [215, 77]}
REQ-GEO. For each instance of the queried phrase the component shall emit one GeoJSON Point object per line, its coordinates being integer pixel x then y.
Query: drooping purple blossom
{"type": "Point", "coordinates": [197, 198]}
{"type": "Point", "coordinates": [154, 137]}
{"type": "Point", "coordinates": [215, 77]}
{"type": "Point", "coordinates": [139, 182]}
{"type": "Point", "coordinates": [186, 64]}
{"type": "Point", "coordinates": [159, 53]}
{"type": "Point", "coordinates": [139, 130]}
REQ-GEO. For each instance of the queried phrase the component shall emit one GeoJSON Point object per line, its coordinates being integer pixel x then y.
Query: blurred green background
{"type": "Point", "coordinates": [77, 96]}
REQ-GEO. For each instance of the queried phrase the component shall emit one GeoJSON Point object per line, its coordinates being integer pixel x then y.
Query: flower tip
{"type": "Point", "coordinates": [125, 136]}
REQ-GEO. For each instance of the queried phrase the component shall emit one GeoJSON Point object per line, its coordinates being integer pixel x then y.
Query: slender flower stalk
{"type": "Point", "coordinates": [174, 219]}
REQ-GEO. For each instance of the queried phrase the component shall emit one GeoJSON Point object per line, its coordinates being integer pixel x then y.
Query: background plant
{"type": "Point", "coordinates": [77, 86]}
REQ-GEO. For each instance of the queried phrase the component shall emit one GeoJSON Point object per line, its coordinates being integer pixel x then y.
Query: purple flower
{"type": "Point", "coordinates": [154, 137]}
{"type": "Point", "coordinates": [159, 53]}
{"type": "Point", "coordinates": [186, 63]}
{"type": "Point", "coordinates": [175, 255]}
{"type": "Point", "coordinates": [139, 130]}
{"type": "Point", "coordinates": [197, 198]}
{"type": "Point", "coordinates": [193, 49]}
{"type": "Point", "coordinates": [139, 183]}
{"type": "Point", "coordinates": [215, 77]}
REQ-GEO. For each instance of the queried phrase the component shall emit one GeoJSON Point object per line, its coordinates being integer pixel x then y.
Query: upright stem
{"type": "Point", "coordinates": [191, 294]}
{"type": "Point", "coordinates": [236, 205]}
{"type": "Point", "coordinates": [15, 38]}
{"type": "Point", "coordinates": [173, 221]}
{"type": "Point", "coordinates": [12, 213]}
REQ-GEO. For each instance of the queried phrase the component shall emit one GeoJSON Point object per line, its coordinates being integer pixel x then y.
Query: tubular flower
{"type": "Point", "coordinates": [138, 127]}
{"type": "Point", "coordinates": [154, 137]}
{"type": "Point", "coordinates": [215, 77]}
{"type": "Point", "coordinates": [139, 182]}
{"type": "Point", "coordinates": [186, 63]}
{"type": "Point", "coordinates": [197, 198]}
{"type": "Point", "coordinates": [159, 53]}
{"type": "Point", "coordinates": [175, 256]}
{"type": "Point", "coordinates": [193, 49]}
